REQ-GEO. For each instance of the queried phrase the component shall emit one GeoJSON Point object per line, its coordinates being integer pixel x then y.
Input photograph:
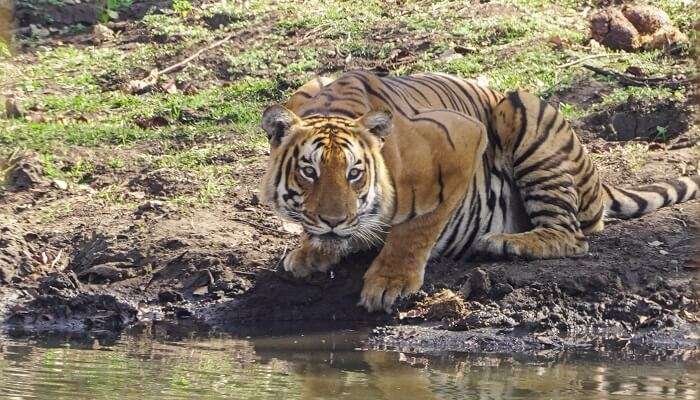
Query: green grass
{"type": "Point", "coordinates": [494, 31]}
{"type": "Point", "coordinates": [169, 25]}
{"type": "Point", "coordinates": [75, 88]}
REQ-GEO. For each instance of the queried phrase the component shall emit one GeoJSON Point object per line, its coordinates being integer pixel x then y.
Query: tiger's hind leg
{"type": "Point", "coordinates": [556, 232]}
{"type": "Point", "coordinates": [545, 159]}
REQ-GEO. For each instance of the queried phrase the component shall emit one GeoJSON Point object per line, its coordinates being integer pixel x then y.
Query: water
{"type": "Point", "coordinates": [322, 366]}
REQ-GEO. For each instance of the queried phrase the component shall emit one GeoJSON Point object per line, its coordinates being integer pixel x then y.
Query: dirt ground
{"type": "Point", "coordinates": [68, 263]}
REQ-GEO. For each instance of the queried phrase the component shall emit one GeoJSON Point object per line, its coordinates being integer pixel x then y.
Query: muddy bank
{"type": "Point", "coordinates": [154, 264]}
{"type": "Point", "coordinates": [71, 262]}
{"type": "Point", "coordinates": [129, 244]}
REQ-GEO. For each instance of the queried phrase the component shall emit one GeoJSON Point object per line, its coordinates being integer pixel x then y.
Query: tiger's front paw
{"type": "Point", "coordinates": [304, 260]}
{"type": "Point", "coordinates": [385, 283]}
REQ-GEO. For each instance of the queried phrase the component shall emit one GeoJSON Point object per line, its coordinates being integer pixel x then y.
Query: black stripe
{"type": "Point", "coordinates": [681, 189]}
{"type": "Point", "coordinates": [590, 173]}
{"type": "Point", "coordinates": [329, 111]}
{"type": "Point", "coordinates": [542, 179]}
{"type": "Point", "coordinates": [384, 97]}
{"type": "Point", "coordinates": [416, 100]}
{"type": "Point", "coordinates": [587, 224]}
{"type": "Point", "coordinates": [470, 239]}
{"type": "Point", "coordinates": [461, 85]}
{"type": "Point", "coordinates": [458, 224]}
{"type": "Point", "coordinates": [450, 93]}
{"type": "Point", "coordinates": [550, 200]}
{"type": "Point", "coordinates": [557, 185]}
{"type": "Point", "coordinates": [412, 214]}
{"type": "Point", "coordinates": [542, 136]}
{"type": "Point", "coordinates": [547, 163]}
{"type": "Point", "coordinates": [546, 213]}
{"type": "Point", "coordinates": [660, 190]}
{"type": "Point", "coordinates": [514, 98]}
{"type": "Point", "coordinates": [640, 201]}
{"type": "Point", "coordinates": [420, 92]}
{"type": "Point", "coordinates": [615, 205]}
{"type": "Point", "coordinates": [594, 196]}
{"type": "Point", "coordinates": [439, 96]}
{"type": "Point", "coordinates": [402, 96]}
{"type": "Point", "coordinates": [278, 177]}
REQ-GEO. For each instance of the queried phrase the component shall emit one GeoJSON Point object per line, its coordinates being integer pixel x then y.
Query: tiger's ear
{"type": "Point", "coordinates": [378, 122]}
{"type": "Point", "coordinates": [278, 121]}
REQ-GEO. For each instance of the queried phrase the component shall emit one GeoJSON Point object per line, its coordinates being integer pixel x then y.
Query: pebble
{"type": "Point", "coordinates": [59, 184]}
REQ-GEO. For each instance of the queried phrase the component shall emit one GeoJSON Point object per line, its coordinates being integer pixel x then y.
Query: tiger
{"type": "Point", "coordinates": [433, 165]}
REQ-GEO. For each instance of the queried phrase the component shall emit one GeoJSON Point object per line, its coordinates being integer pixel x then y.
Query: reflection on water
{"type": "Point", "coordinates": [319, 366]}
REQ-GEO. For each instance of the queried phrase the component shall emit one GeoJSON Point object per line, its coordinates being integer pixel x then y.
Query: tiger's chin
{"type": "Point", "coordinates": [331, 243]}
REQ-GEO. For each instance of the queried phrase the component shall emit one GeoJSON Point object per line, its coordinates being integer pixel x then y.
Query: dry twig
{"type": "Point", "coordinates": [583, 59]}
{"type": "Point", "coordinates": [141, 85]}
{"type": "Point", "coordinates": [631, 80]}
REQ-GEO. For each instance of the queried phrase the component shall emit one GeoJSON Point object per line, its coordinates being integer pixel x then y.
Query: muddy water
{"type": "Point", "coordinates": [322, 366]}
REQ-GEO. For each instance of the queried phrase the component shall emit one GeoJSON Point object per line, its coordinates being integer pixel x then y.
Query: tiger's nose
{"type": "Point", "coordinates": [333, 221]}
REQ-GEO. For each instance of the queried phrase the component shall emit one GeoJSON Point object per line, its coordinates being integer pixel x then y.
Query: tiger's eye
{"type": "Point", "coordinates": [354, 173]}
{"type": "Point", "coordinates": [309, 172]}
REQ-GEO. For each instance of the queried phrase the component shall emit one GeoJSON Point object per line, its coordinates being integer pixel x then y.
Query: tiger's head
{"type": "Point", "coordinates": [327, 173]}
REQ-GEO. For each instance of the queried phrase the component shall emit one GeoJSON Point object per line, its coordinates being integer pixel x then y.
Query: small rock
{"type": "Point", "coordinates": [13, 108]}
{"type": "Point", "coordinates": [663, 252]}
{"type": "Point", "coordinates": [169, 87]}
{"type": "Point", "coordinates": [655, 243]}
{"type": "Point", "coordinates": [59, 184]}
{"type": "Point", "coordinates": [634, 70]}
{"type": "Point", "coordinates": [182, 313]}
{"type": "Point", "coordinates": [169, 296]}
{"type": "Point", "coordinates": [450, 55]}
{"type": "Point", "coordinates": [466, 288]}
{"type": "Point", "coordinates": [477, 284]}
{"type": "Point", "coordinates": [39, 31]}
{"type": "Point", "coordinates": [647, 19]}
{"type": "Point", "coordinates": [23, 172]}
{"type": "Point", "coordinates": [154, 206]}
{"type": "Point", "coordinates": [201, 291]}
{"type": "Point", "coordinates": [103, 273]}
{"type": "Point", "coordinates": [155, 121]}
{"type": "Point", "coordinates": [101, 33]}
{"type": "Point", "coordinates": [255, 199]}
{"type": "Point", "coordinates": [610, 28]}
{"type": "Point", "coordinates": [501, 289]}
{"type": "Point", "coordinates": [480, 281]}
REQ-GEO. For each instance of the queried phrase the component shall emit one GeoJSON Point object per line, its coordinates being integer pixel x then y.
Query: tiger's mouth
{"type": "Point", "coordinates": [331, 236]}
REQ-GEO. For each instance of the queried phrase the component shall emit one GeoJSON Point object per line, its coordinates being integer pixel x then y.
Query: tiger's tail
{"type": "Point", "coordinates": [637, 201]}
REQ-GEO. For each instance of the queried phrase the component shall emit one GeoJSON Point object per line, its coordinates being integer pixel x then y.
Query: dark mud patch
{"type": "Point", "coordinates": [165, 182]}
{"type": "Point", "coordinates": [53, 14]}
{"type": "Point", "coordinates": [636, 119]}
{"type": "Point", "coordinates": [210, 272]}
{"type": "Point", "coordinates": [583, 93]}
{"type": "Point", "coordinates": [279, 297]}
{"type": "Point", "coordinates": [21, 172]}
{"type": "Point", "coordinates": [20, 255]}
{"type": "Point", "coordinates": [61, 303]}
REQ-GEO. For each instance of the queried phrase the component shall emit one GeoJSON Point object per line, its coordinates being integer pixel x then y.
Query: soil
{"type": "Point", "coordinates": [70, 263]}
